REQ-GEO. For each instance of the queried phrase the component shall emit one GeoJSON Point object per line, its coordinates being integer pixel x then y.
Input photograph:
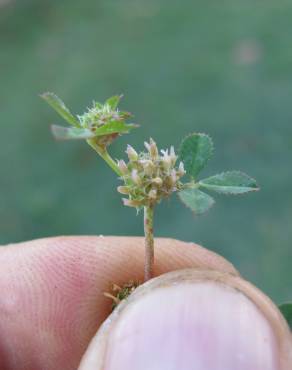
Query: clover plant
{"type": "Point", "coordinates": [152, 175]}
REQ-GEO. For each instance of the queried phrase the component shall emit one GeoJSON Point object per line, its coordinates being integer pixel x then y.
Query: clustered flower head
{"type": "Point", "coordinates": [105, 121]}
{"type": "Point", "coordinates": [101, 114]}
{"type": "Point", "coordinates": [149, 176]}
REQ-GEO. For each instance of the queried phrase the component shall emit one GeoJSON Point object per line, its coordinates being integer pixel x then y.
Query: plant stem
{"type": "Point", "coordinates": [148, 214]}
{"type": "Point", "coordinates": [105, 156]}
{"type": "Point", "coordinates": [149, 242]}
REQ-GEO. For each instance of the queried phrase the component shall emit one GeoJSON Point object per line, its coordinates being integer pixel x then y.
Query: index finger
{"type": "Point", "coordinates": [52, 299]}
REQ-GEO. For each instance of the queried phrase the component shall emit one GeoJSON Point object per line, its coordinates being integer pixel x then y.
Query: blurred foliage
{"type": "Point", "coordinates": [224, 68]}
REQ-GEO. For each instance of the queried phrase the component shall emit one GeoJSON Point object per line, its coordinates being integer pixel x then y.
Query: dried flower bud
{"type": "Point", "coordinates": [166, 160]}
{"type": "Point", "coordinates": [173, 176]}
{"type": "Point", "coordinates": [172, 156]}
{"type": "Point", "coordinates": [123, 189]}
{"type": "Point", "coordinates": [157, 181]}
{"type": "Point", "coordinates": [123, 167]}
{"type": "Point", "coordinates": [131, 202]}
{"type": "Point", "coordinates": [147, 146]}
{"type": "Point", "coordinates": [148, 167]}
{"type": "Point", "coordinates": [152, 148]}
{"type": "Point", "coordinates": [152, 176]}
{"type": "Point", "coordinates": [181, 170]}
{"type": "Point", "coordinates": [135, 177]}
{"type": "Point", "coordinates": [152, 194]}
{"type": "Point", "coordinates": [132, 154]}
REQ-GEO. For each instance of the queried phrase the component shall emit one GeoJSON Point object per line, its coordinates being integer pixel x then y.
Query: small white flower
{"type": "Point", "coordinates": [135, 177]}
{"type": "Point", "coordinates": [132, 154]}
{"type": "Point", "coordinates": [152, 148]}
{"type": "Point", "coordinates": [172, 156]}
{"type": "Point", "coordinates": [181, 170]}
{"type": "Point", "coordinates": [157, 181]}
{"type": "Point", "coordinates": [123, 167]}
{"type": "Point", "coordinates": [123, 190]}
{"type": "Point", "coordinates": [153, 194]}
{"type": "Point", "coordinates": [130, 202]}
{"type": "Point", "coordinates": [166, 161]}
{"type": "Point", "coordinates": [147, 146]}
{"type": "Point", "coordinates": [173, 176]}
{"type": "Point", "coordinates": [148, 166]}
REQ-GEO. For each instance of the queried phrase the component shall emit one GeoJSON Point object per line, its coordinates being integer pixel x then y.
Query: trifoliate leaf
{"type": "Point", "coordinates": [194, 152]}
{"type": "Point", "coordinates": [114, 101]}
{"type": "Point", "coordinates": [286, 309]}
{"type": "Point", "coordinates": [71, 133]}
{"type": "Point", "coordinates": [56, 103]}
{"type": "Point", "coordinates": [196, 200]}
{"type": "Point", "coordinates": [113, 127]}
{"type": "Point", "coordinates": [231, 182]}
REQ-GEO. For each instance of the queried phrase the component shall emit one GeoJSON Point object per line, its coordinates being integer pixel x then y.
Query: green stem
{"type": "Point", "coordinates": [105, 155]}
{"type": "Point", "coordinates": [149, 242]}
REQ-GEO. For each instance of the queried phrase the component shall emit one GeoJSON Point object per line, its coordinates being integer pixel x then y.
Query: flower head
{"type": "Point", "coordinates": [102, 114]}
{"type": "Point", "coordinates": [149, 176]}
{"type": "Point", "coordinates": [100, 124]}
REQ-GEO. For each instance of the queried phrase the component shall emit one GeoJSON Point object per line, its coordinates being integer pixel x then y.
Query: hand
{"type": "Point", "coordinates": [52, 304]}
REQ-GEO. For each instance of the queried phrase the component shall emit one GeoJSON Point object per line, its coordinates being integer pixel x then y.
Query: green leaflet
{"type": "Point", "coordinates": [196, 200]}
{"type": "Point", "coordinates": [56, 103]}
{"type": "Point", "coordinates": [76, 133]}
{"type": "Point", "coordinates": [194, 152]}
{"type": "Point", "coordinates": [114, 127]}
{"type": "Point", "coordinates": [286, 309]}
{"type": "Point", "coordinates": [231, 182]}
{"type": "Point", "coordinates": [114, 101]}
{"type": "Point", "coordinates": [71, 133]}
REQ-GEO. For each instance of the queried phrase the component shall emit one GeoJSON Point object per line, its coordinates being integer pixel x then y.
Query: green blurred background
{"type": "Point", "coordinates": [221, 67]}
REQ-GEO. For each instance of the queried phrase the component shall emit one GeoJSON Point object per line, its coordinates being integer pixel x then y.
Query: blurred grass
{"type": "Point", "coordinates": [222, 68]}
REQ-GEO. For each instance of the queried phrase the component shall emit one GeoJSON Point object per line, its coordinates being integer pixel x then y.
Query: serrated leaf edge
{"type": "Point", "coordinates": [209, 187]}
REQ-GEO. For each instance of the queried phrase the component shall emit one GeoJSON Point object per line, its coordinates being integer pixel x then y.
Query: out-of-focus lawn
{"type": "Point", "coordinates": [224, 68]}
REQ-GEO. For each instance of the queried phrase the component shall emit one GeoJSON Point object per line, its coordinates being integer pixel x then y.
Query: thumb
{"type": "Point", "coordinates": [193, 319]}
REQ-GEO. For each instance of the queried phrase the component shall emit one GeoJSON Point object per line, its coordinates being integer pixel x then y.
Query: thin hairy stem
{"type": "Point", "coordinates": [149, 242]}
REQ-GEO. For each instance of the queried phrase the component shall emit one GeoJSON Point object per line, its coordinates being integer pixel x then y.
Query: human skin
{"type": "Point", "coordinates": [52, 301]}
